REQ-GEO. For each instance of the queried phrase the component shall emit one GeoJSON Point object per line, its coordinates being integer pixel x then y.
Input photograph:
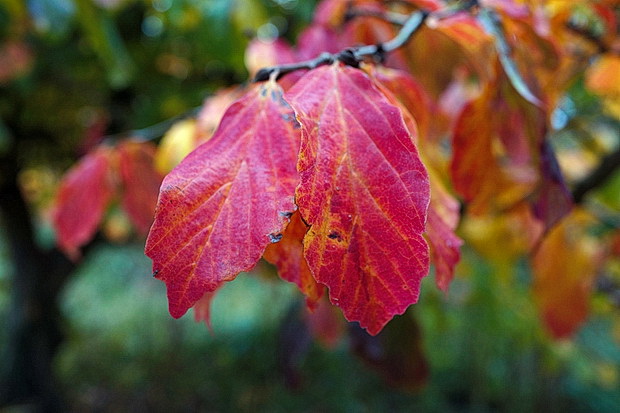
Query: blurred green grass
{"type": "Point", "coordinates": [486, 350]}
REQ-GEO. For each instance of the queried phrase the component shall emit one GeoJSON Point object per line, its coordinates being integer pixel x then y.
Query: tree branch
{"type": "Point", "coordinates": [354, 55]}
{"type": "Point", "coordinates": [350, 56]}
{"type": "Point", "coordinates": [609, 165]}
{"type": "Point", "coordinates": [152, 132]}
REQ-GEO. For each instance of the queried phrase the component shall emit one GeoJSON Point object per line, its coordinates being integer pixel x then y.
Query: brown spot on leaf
{"type": "Point", "coordinates": [273, 238]}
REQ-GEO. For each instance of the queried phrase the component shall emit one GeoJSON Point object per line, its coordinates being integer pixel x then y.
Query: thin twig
{"type": "Point", "coordinates": [152, 132]}
{"type": "Point", "coordinates": [609, 165]}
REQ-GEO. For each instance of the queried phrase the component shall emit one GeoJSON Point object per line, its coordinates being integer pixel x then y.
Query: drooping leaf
{"type": "Point", "coordinates": [226, 201]}
{"type": "Point", "coordinates": [564, 268]}
{"type": "Point", "coordinates": [287, 256]}
{"type": "Point", "coordinates": [364, 192]}
{"type": "Point", "coordinates": [326, 323]}
{"type": "Point", "coordinates": [445, 245]}
{"type": "Point", "coordinates": [84, 194]}
{"type": "Point", "coordinates": [140, 182]}
{"type": "Point", "coordinates": [202, 308]}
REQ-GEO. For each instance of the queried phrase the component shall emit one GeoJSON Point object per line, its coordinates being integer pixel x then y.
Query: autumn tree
{"type": "Point", "coordinates": [361, 159]}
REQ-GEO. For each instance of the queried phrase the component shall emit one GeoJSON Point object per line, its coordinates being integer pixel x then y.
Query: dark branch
{"type": "Point", "coordinates": [351, 56]}
{"type": "Point", "coordinates": [152, 132]}
{"type": "Point", "coordinates": [609, 165]}
{"type": "Point", "coordinates": [587, 34]}
{"type": "Point", "coordinates": [355, 55]}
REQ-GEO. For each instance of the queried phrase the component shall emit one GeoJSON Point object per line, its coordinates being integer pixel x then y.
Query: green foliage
{"type": "Point", "coordinates": [482, 341]}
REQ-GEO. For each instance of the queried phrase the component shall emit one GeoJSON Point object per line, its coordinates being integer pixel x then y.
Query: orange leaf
{"type": "Point", "coordinates": [364, 192]}
{"type": "Point", "coordinates": [603, 77]}
{"type": "Point", "coordinates": [287, 256]}
{"type": "Point", "coordinates": [226, 201]}
{"type": "Point", "coordinates": [84, 194]}
{"type": "Point", "coordinates": [564, 268]}
{"type": "Point", "coordinates": [496, 159]}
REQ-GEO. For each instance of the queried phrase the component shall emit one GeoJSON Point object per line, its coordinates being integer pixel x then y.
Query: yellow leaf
{"type": "Point", "coordinates": [175, 145]}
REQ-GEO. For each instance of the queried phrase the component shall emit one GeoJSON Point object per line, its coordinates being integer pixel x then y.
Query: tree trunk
{"type": "Point", "coordinates": [33, 323]}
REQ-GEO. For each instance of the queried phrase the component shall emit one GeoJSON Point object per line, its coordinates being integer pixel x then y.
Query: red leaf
{"type": "Point", "coordinates": [409, 93]}
{"type": "Point", "coordinates": [84, 194]}
{"type": "Point", "coordinates": [227, 200]}
{"type": "Point", "coordinates": [140, 182]}
{"type": "Point", "coordinates": [287, 256]}
{"type": "Point", "coordinates": [365, 194]}
{"type": "Point", "coordinates": [443, 217]}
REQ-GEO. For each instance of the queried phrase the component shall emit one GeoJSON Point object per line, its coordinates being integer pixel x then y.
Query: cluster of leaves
{"type": "Point", "coordinates": [350, 168]}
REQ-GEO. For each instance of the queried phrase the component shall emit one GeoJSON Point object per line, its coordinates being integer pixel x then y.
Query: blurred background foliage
{"type": "Point", "coordinates": [73, 71]}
